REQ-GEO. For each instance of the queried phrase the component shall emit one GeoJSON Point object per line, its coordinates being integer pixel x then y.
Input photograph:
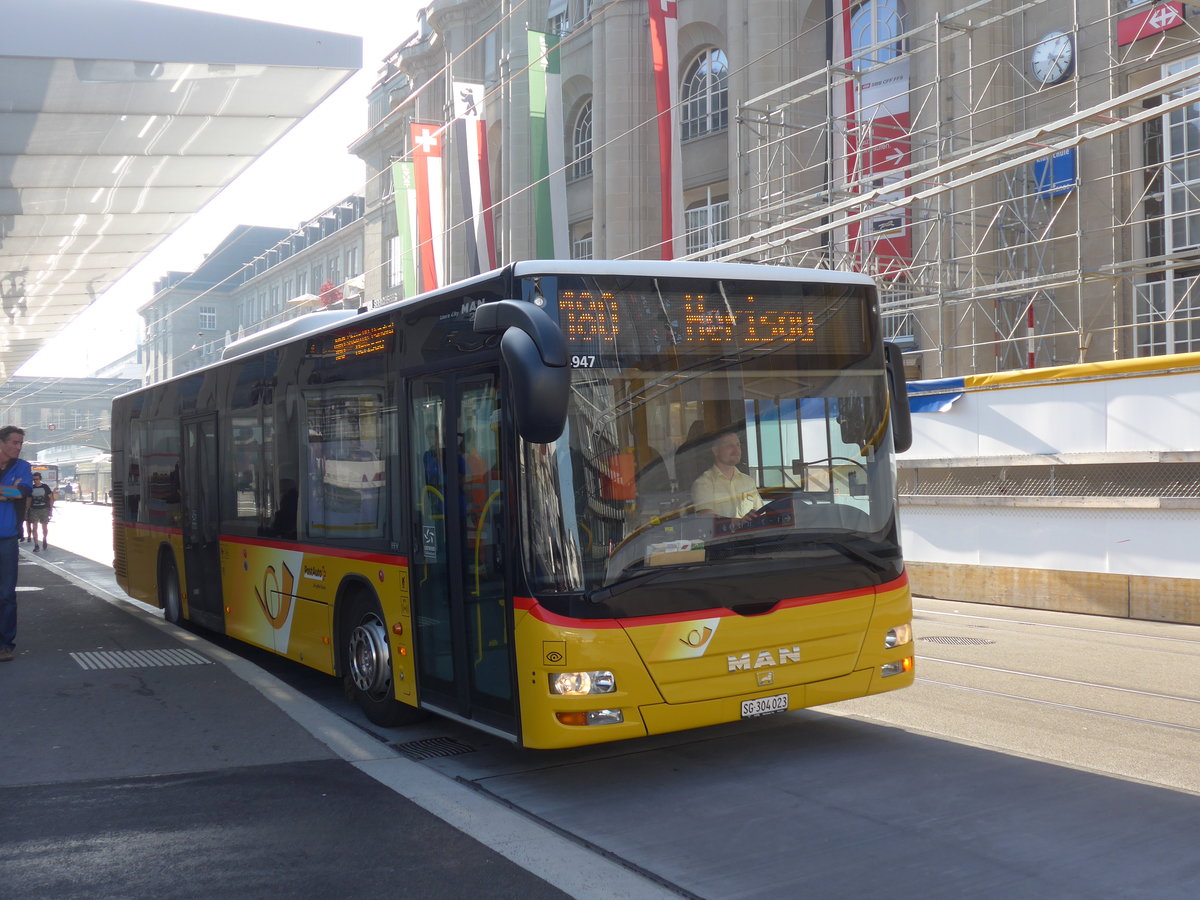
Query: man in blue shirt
{"type": "Point", "coordinates": [16, 481]}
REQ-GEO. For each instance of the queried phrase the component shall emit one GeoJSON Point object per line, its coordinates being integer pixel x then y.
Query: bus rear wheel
{"type": "Point", "coordinates": [367, 659]}
{"type": "Point", "coordinates": [170, 597]}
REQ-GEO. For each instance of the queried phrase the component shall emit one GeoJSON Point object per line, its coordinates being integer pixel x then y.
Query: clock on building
{"type": "Point", "coordinates": [1052, 58]}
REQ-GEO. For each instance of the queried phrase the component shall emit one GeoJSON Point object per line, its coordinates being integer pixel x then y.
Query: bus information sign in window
{"type": "Point", "coordinates": [339, 345]}
{"type": "Point", "coordinates": [605, 327]}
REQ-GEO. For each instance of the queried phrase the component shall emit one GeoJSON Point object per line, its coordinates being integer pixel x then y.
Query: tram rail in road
{"type": "Point", "coordinates": [1039, 754]}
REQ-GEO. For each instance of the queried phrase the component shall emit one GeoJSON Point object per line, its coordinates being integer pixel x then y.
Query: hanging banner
{"type": "Point", "coordinates": [878, 153]}
{"type": "Point", "coordinates": [470, 138]}
{"type": "Point", "coordinates": [547, 155]}
{"type": "Point", "coordinates": [404, 193]}
{"type": "Point", "coordinates": [431, 211]}
{"type": "Point", "coordinates": [664, 50]}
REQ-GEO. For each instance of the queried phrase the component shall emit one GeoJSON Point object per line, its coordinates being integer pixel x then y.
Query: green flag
{"type": "Point", "coordinates": [547, 165]}
{"type": "Point", "coordinates": [405, 195]}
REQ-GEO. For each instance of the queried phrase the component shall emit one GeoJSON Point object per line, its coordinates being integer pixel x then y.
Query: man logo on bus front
{"type": "Point", "coordinates": [764, 659]}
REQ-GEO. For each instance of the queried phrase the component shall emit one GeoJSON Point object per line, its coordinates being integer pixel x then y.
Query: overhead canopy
{"type": "Point", "coordinates": [118, 121]}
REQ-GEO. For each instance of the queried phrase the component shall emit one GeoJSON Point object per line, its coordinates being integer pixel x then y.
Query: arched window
{"type": "Point", "coordinates": [706, 94]}
{"type": "Point", "coordinates": [876, 22]}
{"type": "Point", "coordinates": [581, 142]}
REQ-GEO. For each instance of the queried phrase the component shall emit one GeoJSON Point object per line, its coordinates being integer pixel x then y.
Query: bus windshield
{"type": "Point", "coordinates": [700, 446]}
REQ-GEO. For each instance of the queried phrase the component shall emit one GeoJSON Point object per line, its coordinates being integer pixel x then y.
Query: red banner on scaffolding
{"type": "Point", "coordinates": [1157, 19]}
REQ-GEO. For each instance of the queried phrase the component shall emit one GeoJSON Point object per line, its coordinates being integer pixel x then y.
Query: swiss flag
{"type": "Point", "coordinates": [431, 212]}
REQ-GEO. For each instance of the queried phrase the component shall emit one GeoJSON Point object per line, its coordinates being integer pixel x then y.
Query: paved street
{"type": "Point", "coordinates": [1039, 755]}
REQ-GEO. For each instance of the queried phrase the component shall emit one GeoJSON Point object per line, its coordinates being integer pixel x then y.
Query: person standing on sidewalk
{"type": "Point", "coordinates": [41, 506]}
{"type": "Point", "coordinates": [16, 481]}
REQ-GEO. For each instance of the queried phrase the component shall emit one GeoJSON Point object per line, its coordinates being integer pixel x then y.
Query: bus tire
{"type": "Point", "coordinates": [367, 664]}
{"type": "Point", "coordinates": [170, 597]}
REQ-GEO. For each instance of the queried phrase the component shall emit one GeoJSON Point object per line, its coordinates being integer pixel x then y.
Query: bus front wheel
{"type": "Point", "coordinates": [367, 662]}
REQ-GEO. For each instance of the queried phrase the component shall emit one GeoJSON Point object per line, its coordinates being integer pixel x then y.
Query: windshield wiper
{"type": "Point", "coordinates": [768, 546]}
{"type": "Point", "coordinates": [631, 577]}
{"type": "Point", "coordinates": [844, 547]}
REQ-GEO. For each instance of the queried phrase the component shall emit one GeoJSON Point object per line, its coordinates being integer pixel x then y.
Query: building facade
{"type": "Point", "coordinates": [66, 420]}
{"type": "Point", "coordinates": [256, 277]}
{"type": "Point", "coordinates": [1021, 178]}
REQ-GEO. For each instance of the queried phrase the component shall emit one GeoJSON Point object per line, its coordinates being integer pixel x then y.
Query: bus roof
{"type": "Point", "coordinates": [286, 331]}
{"type": "Point", "coordinates": [683, 268]}
{"type": "Point", "coordinates": [323, 320]}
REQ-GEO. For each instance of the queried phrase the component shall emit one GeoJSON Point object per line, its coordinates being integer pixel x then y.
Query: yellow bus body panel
{"type": "Point", "coordinates": [685, 673]}
{"type": "Point", "coordinates": [283, 598]}
{"type": "Point", "coordinates": [139, 578]}
{"type": "Point", "coordinates": [672, 673]}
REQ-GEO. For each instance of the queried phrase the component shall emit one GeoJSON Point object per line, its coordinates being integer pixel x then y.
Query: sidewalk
{"type": "Point", "coordinates": [139, 760]}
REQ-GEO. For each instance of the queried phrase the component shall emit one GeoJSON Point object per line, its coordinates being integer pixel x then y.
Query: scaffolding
{"type": "Point", "coordinates": [1035, 220]}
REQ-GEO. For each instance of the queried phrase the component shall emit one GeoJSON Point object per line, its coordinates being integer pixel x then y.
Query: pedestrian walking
{"type": "Point", "coordinates": [24, 526]}
{"type": "Point", "coordinates": [40, 510]}
{"type": "Point", "coordinates": [16, 482]}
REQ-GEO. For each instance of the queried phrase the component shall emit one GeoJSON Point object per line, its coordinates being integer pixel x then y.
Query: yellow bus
{"type": "Point", "coordinates": [484, 502]}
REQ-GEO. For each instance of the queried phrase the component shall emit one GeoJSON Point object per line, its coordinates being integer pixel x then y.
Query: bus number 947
{"type": "Point", "coordinates": [583, 362]}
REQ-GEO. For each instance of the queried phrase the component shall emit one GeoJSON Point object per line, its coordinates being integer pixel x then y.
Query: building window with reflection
{"type": "Point", "coordinates": [581, 245]}
{"type": "Point", "coordinates": [875, 29]}
{"type": "Point", "coordinates": [1166, 299]}
{"type": "Point", "coordinates": [581, 143]}
{"type": "Point", "coordinates": [556, 13]}
{"type": "Point", "coordinates": [706, 224]}
{"type": "Point", "coordinates": [706, 94]}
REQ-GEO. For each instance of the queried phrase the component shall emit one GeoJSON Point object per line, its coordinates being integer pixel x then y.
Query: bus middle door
{"type": "Point", "coordinates": [201, 532]}
{"type": "Point", "coordinates": [458, 565]}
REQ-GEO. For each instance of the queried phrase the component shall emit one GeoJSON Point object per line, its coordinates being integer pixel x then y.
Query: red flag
{"type": "Point", "coordinates": [431, 213]}
{"type": "Point", "coordinates": [664, 42]}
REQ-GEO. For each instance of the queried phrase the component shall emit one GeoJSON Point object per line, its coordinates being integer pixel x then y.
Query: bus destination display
{"type": "Point", "coordinates": [609, 325]}
{"type": "Point", "coordinates": [343, 345]}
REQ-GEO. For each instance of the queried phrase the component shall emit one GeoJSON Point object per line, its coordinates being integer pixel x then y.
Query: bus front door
{"type": "Point", "coordinates": [201, 545]}
{"type": "Point", "coordinates": [458, 565]}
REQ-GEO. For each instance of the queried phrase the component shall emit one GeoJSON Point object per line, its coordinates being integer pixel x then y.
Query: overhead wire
{"type": "Point", "coordinates": [964, 156]}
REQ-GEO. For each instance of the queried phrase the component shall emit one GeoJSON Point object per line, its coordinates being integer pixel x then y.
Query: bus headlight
{"type": "Point", "coordinates": [591, 717]}
{"type": "Point", "coordinates": [576, 684]}
{"type": "Point", "coordinates": [899, 667]}
{"type": "Point", "coordinates": [898, 636]}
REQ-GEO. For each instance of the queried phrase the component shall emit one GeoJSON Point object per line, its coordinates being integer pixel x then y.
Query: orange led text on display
{"type": "Point", "coordinates": [360, 342]}
{"type": "Point", "coordinates": [706, 320]}
{"type": "Point", "coordinates": [587, 316]}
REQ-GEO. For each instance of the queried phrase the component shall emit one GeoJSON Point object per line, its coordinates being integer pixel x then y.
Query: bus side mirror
{"type": "Point", "coordinates": [535, 353]}
{"type": "Point", "coordinates": [902, 436]}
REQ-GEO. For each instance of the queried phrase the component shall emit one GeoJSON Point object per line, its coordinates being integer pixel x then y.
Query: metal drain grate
{"type": "Point", "coordinates": [138, 659]}
{"type": "Point", "coordinates": [433, 748]}
{"type": "Point", "coordinates": [951, 639]}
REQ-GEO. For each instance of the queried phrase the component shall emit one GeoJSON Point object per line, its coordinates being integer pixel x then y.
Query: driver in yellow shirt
{"type": "Point", "coordinates": [724, 490]}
